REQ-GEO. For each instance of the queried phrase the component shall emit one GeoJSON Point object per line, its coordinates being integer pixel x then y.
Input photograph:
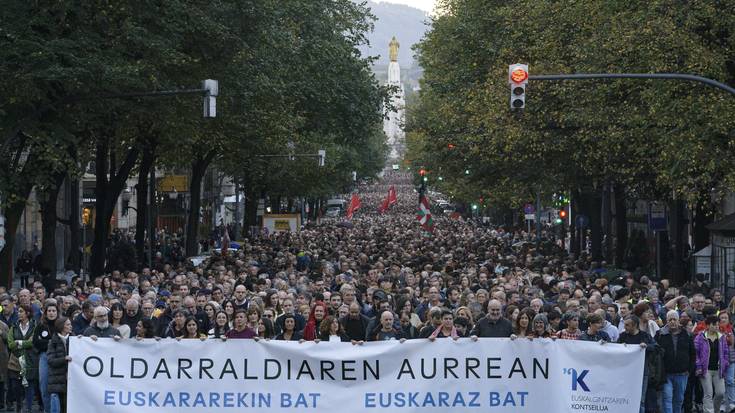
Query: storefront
{"type": "Point", "coordinates": [723, 254]}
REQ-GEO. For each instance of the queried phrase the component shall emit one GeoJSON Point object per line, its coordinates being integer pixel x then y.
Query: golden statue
{"type": "Point", "coordinates": [393, 49]}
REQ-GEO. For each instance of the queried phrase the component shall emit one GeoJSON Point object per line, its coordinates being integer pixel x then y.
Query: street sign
{"type": "Point", "coordinates": [529, 209]}
{"type": "Point", "coordinates": [531, 217]}
{"type": "Point", "coordinates": [657, 216]}
{"type": "Point", "coordinates": [582, 221]}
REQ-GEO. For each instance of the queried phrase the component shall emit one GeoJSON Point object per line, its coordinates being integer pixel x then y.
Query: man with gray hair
{"type": "Point", "coordinates": [132, 313]}
{"type": "Point", "coordinates": [493, 325]}
{"type": "Point", "coordinates": [679, 361]}
{"type": "Point", "coordinates": [100, 326]}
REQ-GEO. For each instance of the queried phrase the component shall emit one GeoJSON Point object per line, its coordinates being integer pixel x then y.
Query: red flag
{"type": "Point", "coordinates": [392, 196]}
{"type": "Point", "coordinates": [384, 206]}
{"type": "Point", "coordinates": [354, 206]}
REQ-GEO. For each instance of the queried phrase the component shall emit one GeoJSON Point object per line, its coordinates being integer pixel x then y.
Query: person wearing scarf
{"type": "Point", "coordinates": [446, 328]}
{"type": "Point", "coordinates": [315, 318]}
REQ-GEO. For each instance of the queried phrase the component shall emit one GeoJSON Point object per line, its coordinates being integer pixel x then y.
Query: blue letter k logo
{"type": "Point", "coordinates": [579, 380]}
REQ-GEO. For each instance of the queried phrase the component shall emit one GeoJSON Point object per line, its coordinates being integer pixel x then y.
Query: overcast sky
{"type": "Point", "coordinates": [426, 5]}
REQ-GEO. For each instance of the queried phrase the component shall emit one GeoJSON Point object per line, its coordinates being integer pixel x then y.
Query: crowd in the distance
{"type": "Point", "coordinates": [382, 279]}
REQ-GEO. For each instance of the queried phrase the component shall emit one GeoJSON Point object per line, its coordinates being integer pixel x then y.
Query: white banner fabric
{"type": "Point", "coordinates": [497, 375]}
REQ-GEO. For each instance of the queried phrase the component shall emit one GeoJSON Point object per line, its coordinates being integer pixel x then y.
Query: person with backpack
{"type": "Point", "coordinates": [679, 361]}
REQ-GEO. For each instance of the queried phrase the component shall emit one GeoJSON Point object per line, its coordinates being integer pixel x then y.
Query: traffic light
{"type": "Point", "coordinates": [86, 214]}
{"type": "Point", "coordinates": [562, 216]}
{"type": "Point", "coordinates": [422, 172]}
{"type": "Point", "coordinates": [517, 79]}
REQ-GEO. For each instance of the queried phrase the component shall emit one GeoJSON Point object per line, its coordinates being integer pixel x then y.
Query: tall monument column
{"type": "Point", "coordinates": [393, 124]}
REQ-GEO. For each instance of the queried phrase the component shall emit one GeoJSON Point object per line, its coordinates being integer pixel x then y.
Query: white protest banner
{"type": "Point", "coordinates": [497, 375]}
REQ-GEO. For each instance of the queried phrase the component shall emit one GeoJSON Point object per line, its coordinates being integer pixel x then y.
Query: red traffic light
{"type": "Point", "coordinates": [451, 146]}
{"type": "Point", "coordinates": [422, 171]}
{"type": "Point", "coordinates": [518, 75]}
{"type": "Point", "coordinates": [562, 213]}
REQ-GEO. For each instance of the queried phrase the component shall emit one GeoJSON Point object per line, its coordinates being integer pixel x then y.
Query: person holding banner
{"type": "Point", "coordinates": [240, 328]}
{"type": "Point", "coordinates": [289, 332]}
{"type": "Point", "coordinates": [541, 327]}
{"type": "Point", "coordinates": [523, 326]}
{"type": "Point", "coordinates": [594, 330]}
{"type": "Point", "coordinates": [266, 329]}
{"type": "Point", "coordinates": [493, 325]}
{"type": "Point", "coordinates": [386, 330]}
{"type": "Point", "coordinates": [177, 326]}
{"type": "Point", "coordinates": [100, 326]}
{"type": "Point", "coordinates": [572, 331]}
{"type": "Point", "coordinates": [145, 328]}
{"type": "Point", "coordinates": [633, 335]}
{"type": "Point", "coordinates": [191, 330]}
{"type": "Point", "coordinates": [315, 318]}
{"type": "Point", "coordinates": [221, 325]}
{"type": "Point", "coordinates": [331, 330]}
{"type": "Point", "coordinates": [447, 328]}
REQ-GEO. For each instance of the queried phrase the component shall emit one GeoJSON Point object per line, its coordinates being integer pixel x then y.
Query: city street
{"type": "Point", "coordinates": [339, 206]}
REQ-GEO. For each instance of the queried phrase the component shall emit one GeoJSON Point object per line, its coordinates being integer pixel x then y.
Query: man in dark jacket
{"type": "Point", "coordinates": [132, 314]}
{"type": "Point", "coordinates": [679, 361]}
{"type": "Point", "coordinates": [633, 335]}
{"type": "Point", "coordinates": [494, 325]}
{"type": "Point", "coordinates": [594, 330]}
{"type": "Point", "coordinates": [82, 321]}
{"type": "Point", "coordinates": [174, 303]}
{"type": "Point", "coordinates": [101, 326]}
{"type": "Point", "coordinates": [355, 324]}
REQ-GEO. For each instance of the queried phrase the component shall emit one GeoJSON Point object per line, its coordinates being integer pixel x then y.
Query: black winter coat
{"type": "Point", "coordinates": [683, 361]}
{"type": "Point", "coordinates": [58, 349]}
{"type": "Point", "coordinates": [42, 336]}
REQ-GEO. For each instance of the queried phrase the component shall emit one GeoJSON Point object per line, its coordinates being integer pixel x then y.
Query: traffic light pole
{"type": "Point", "coordinates": [666, 76]}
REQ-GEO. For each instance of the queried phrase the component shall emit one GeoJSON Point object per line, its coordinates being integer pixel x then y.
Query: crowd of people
{"type": "Point", "coordinates": [381, 278]}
